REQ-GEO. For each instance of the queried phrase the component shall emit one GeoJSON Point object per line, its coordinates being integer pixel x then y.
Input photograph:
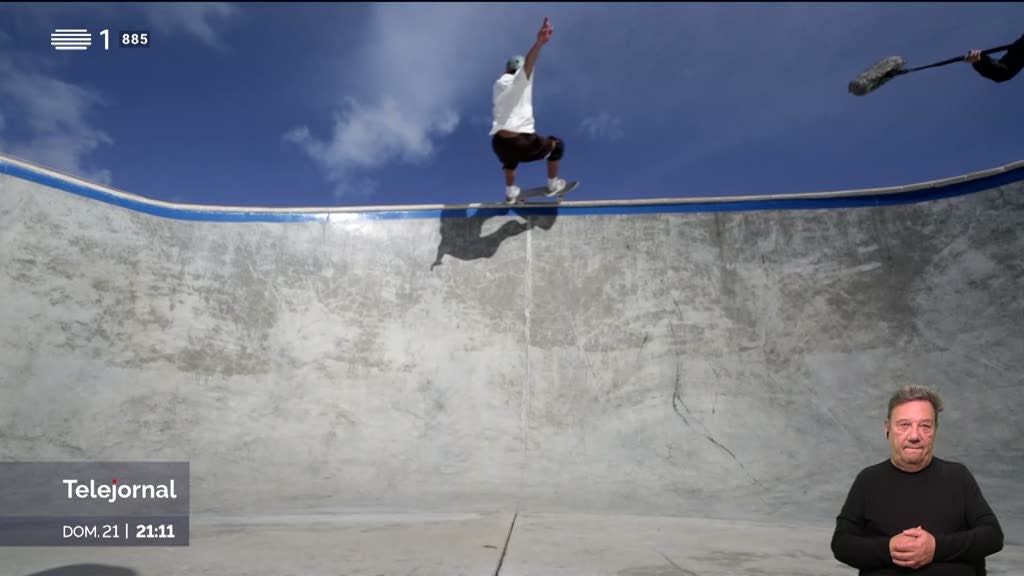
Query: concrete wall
{"type": "Point", "coordinates": [717, 364]}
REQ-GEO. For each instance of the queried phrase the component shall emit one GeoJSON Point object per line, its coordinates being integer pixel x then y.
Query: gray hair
{"type": "Point", "coordinates": [912, 392]}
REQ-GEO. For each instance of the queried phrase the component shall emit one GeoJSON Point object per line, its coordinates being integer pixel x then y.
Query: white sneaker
{"type": "Point", "coordinates": [511, 194]}
{"type": "Point", "coordinates": [555, 186]}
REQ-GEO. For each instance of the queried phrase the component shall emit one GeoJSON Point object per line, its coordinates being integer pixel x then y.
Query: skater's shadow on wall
{"type": "Point", "coordinates": [86, 570]}
{"type": "Point", "coordinates": [461, 234]}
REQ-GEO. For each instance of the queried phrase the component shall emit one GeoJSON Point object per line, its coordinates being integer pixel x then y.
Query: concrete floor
{"type": "Point", "coordinates": [470, 544]}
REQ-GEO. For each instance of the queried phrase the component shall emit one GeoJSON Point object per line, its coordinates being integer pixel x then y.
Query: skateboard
{"type": "Point", "coordinates": [542, 192]}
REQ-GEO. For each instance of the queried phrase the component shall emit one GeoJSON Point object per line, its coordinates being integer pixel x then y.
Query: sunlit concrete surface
{"type": "Point", "coordinates": [637, 389]}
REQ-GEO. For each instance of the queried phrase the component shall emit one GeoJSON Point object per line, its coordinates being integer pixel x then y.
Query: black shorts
{"type": "Point", "coordinates": [521, 148]}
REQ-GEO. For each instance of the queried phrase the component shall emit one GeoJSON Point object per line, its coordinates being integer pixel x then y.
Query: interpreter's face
{"type": "Point", "coordinates": [912, 435]}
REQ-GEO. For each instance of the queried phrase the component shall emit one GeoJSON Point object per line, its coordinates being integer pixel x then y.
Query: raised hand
{"type": "Point", "coordinates": [545, 32]}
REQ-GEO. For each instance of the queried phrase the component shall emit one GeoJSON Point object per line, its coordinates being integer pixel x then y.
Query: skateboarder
{"type": "Point", "coordinates": [513, 136]}
{"type": "Point", "coordinates": [999, 70]}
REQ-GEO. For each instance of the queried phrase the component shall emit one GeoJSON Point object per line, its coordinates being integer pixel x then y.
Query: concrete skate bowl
{"type": "Point", "coordinates": [629, 388]}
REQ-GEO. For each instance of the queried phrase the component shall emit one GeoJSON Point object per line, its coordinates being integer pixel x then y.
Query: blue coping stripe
{"type": "Point", "coordinates": [314, 215]}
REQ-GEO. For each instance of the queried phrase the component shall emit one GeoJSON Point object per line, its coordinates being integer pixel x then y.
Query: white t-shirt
{"type": "Point", "coordinates": [513, 103]}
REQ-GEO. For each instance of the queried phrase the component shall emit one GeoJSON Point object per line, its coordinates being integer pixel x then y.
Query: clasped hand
{"type": "Point", "coordinates": [912, 548]}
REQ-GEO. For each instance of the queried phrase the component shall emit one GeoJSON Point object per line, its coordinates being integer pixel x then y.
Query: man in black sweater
{"type": "Point", "coordinates": [915, 513]}
{"type": "Point", "coordinates": [999, 70]}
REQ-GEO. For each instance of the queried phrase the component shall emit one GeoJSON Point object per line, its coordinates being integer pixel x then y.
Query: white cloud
{"type": "Point", "coordinates": [197, 19]}
{"type": "Point", "coordinates": [365, 136]}
{"type": "Point", "coordinates": [194, 18]}
{"type": "Point", "coordinates": [55, 117]}
{"type": "Point", "coordinates": [46, 120]}
{"type": "Point", "coordinates": [604, 126]}
{"type": "Point", "coordinates": [421, 64]}
{"type": "Point", "coordinates": [64, 152]}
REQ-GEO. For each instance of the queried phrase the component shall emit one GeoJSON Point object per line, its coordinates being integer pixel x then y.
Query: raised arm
{"type": "Point", "coordinates": [999, 70]}
{"type": "Point", "coordinates": [546, 30]}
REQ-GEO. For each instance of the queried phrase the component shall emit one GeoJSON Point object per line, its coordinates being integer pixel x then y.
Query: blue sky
{"type": "Point", "coordinates": [334, 104]}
